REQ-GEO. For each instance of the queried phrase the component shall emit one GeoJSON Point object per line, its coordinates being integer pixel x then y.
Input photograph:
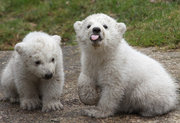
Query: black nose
{"type": "Point", "coordinates": [48, 76]}
{"type": "Point", "coordinates": [96, 30]}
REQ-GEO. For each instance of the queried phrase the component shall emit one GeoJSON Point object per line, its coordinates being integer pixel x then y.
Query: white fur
{"type": "Point", "coordinates": [22, 80]}
{"type": "Point", "coordinates": [128, 80]}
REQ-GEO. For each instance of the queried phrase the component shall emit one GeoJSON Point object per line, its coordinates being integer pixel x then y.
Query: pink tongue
{"type": "Point", "coordinates": [94, 37]}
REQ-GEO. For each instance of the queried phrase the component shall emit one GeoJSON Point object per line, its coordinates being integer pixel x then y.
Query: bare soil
{"type": "Point", "coordinates": [11, 113]}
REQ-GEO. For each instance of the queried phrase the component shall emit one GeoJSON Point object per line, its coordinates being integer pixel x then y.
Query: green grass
{"type": "Point", "coordinates": [149, 24]}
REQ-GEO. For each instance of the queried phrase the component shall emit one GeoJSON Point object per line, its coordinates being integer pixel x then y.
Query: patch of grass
{"type": "Point", "coordinates": [149, 24]}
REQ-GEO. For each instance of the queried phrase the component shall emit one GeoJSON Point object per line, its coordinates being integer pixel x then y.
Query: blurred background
{"type": "Point", "coordinates": [149, 22]}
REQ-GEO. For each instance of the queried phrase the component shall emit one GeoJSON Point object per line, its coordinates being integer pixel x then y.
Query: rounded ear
{"type": "Point", "coordinates": [57, 38]}
{"type": "Point", "coordinates": [19, 47]}
{"type": "Point", "coordinates": [121, 27]}
{"type": "Point", "coordinates": [77, 26]}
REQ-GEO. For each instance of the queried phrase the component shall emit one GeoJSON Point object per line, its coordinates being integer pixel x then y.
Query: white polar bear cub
{"type": "Point", "coordinates": [35, 70]}
{"type": "Point", "coordinates": [128, 80]}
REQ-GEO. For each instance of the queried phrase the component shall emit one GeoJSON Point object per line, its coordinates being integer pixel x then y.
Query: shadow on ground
{"type": "Point", "coordinates": [72, 105]}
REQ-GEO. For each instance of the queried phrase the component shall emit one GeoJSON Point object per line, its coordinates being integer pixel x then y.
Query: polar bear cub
{"type": "Point", "coordinates": [116, 77]}
{"type": "Point", "coordinates": [35, 70]}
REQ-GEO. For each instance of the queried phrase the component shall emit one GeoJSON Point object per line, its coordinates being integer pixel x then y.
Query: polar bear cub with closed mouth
{"type": "Point", "coordinates": [35, 70]}
{"type": "Point", "coordinates": [116, 77]}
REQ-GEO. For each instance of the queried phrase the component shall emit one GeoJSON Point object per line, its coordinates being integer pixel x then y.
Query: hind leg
{"type": "Point", "coordinates": [155, 108]}
{"type": "Point", "coordinates": [10, 95]}
{"type": "Point", "coordinates": [153, 101]}
{"type": "Point", "coordinates": [8, 89]}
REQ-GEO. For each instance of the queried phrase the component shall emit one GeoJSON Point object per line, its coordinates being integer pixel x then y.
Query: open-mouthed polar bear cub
{"type": "Point", "coordinates": [35, 70]}
{"type": "Point", "coordinates": [116, 77]}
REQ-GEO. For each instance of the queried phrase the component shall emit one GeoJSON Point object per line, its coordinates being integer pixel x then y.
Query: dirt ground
{"type": "Point", "coordinates": [11, 113]}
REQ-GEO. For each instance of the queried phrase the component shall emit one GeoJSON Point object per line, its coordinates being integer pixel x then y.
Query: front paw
{"type": "Point", "coordinates": [30, 104]}
{"type": "Point", "coordinates": [97, 113]}
{"type": "Point", "coordinates": [52, 106]}
{"type": "Point", "coordinates": [88, 95]}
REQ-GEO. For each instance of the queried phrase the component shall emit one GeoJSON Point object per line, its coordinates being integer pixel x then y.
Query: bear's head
{"type": "Point", "coordinates": [40, 53]}
{"type": "Point", "coordinates": [99, 30]}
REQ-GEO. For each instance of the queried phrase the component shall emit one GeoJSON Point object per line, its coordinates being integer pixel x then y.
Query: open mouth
{"type": "Point", "coordinates": [95, 38]}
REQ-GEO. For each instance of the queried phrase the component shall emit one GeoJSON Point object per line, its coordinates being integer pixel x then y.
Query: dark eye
{"type": "Point", "coordinates": [105, 26]}
{"type": "Point", "coordinates": [52, 59]}
{"type": "Point", "coordinates": [37, 62]}
{"type": "Point", "coordinates": [88, 26]}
